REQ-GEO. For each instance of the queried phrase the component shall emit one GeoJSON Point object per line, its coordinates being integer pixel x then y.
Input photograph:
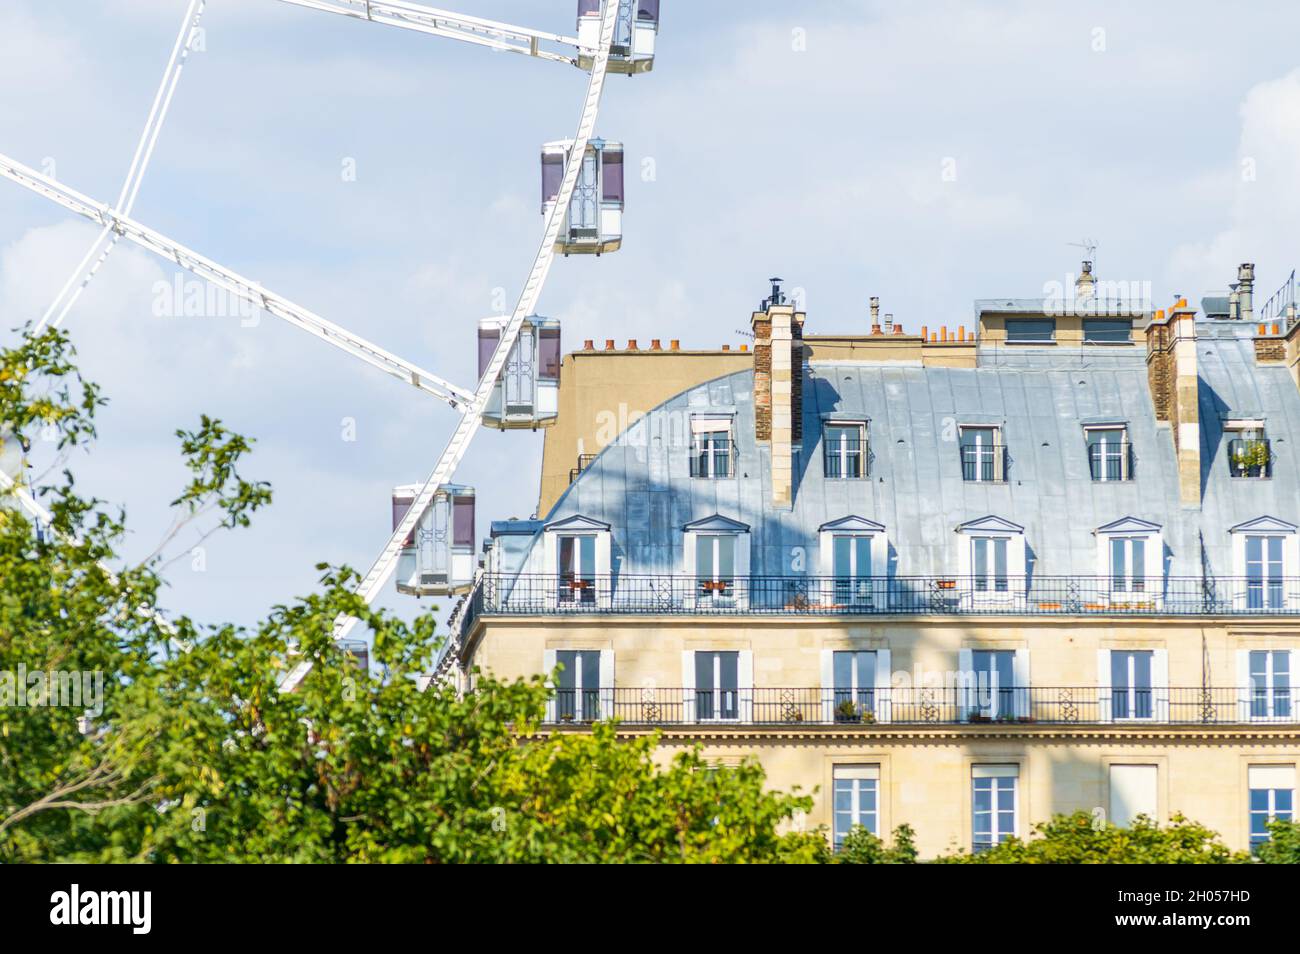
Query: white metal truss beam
{"type": "Point", "coordinates": [107, 239]}
{"type": "Point", "coordinates": [382, 569]}
{"type": "Point", "coordinates": [236, 284]}
{"type": "Point", "coordinates": [455, 26]}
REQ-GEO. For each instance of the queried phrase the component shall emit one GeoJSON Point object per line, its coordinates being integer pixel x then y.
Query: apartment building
{"type": "Point", "coordinates": [959, 580]}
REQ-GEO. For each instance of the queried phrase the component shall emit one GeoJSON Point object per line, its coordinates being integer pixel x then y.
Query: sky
{"type": "Point", "coordinates": [929, 153]}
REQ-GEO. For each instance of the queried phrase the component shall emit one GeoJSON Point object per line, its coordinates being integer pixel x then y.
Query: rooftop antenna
{"type": "Point", "coordinates": [1089, 247]}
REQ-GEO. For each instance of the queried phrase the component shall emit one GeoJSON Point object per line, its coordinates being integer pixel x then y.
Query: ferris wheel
{"type": "Point", "coordinates": [518, 359]}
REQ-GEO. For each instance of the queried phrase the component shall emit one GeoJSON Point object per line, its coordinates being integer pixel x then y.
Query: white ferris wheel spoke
{"type": "Point", "coordinates": [236, 284]}
{"type": "Point", "coordinates": [382, 569]}
{"type": "Point", "coordinates": [453, 26]}
{"type": "Point", "coordinates": [107, 239]}
{"type": "Point", "coordinates": [117, 223]}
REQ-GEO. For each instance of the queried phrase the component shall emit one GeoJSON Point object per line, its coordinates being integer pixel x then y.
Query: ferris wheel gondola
{"type": "Point", "coordinates": [518, 373]}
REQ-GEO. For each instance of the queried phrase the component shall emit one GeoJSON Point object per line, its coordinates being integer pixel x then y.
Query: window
{"type": "Point", "coordinates": [1109, 453]}
{"type": "Point", "coordinates": [1264, 572]}
{"type": "Point", "coordinates": [1128, 561]}
{"type": "Point", "coordinates": [1133, 792]}
{"type": "Point", "coordinates": [711, 452]}
{"type": "Point", "coordinates": [1249, 452]}
{"type": "Point", "coordinates": [856, 793]}
{"type": "Point", "coordinates": [1270, 684]}
{"type": "Point", "coordinates": [991, 559]}
{"type": "Point", "coordinates": [993, 804]}
{"type": "Point", "coordinates": [989, 564]}
{"type": "Point", "coordinates": [982, 454]}
{"type": "Point", "coordinates": [577, 565]}
{"type": "Point", "coordinates": [715, 564]}
{"type": "Point", "coordinates": [576, 559]}
{"type": "Point", "coordinates": [577, 688]}
{"type": "Point", "coordinates": [1131, 684]}
{"type": "Point", "coordinates": [1107, 330]}
{"type": "Point", "coordinates": [851, 568]}
{"type": "Point", "coordinates": [1031, 330]}
{"type": "Point", "coordinates": [844, 450]}
{"type": "Point", "coordinates": [1272, 797]}
{"type": "Point", "coordinates": [993, 671]}
{"type": "Point", "coordinates": [855, 685]}
{"type": "Point", "coordinates": [717, 685]}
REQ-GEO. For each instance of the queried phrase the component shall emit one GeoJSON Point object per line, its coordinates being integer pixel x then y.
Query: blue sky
{"type": "Point", "coordinates": [806, 140]}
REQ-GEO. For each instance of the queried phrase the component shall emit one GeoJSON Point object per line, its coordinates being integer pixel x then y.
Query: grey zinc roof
{"type": "Point", "coordinates": [1041, 397]}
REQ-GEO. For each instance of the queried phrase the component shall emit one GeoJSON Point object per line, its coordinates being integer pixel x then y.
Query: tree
{"type": "Point", "coordinates": [861, 847]}
{"type": "Point", "coordinates": [192, 753]}
{"type": "Point", "coordinates": [1077, 840]}
{"type": "Point", "coordinates": [1283, 845]}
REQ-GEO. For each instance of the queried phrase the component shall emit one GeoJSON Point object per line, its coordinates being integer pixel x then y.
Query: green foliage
{"type": "Point", "coordinates": [212, 454]}
{"type": "Point", "coordinates": [861, 847]}
{"type": "Point", "coordinates": [197, 756]}
{"type": "Point", "coordinates": [1077, 840]}
{"type": "Point", "coordinates": [1283, 846]}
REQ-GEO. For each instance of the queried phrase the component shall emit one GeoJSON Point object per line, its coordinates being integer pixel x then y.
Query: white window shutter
{"type": "Point", "coordinates": [1155, 566]}
{"type": "Point", "coordinates": [688, 566]}
{"type": "Point", "coordinates": [828, 685]}
{"type": "Point", "coordinates": [1160, 683]}
{"type": "Point", "coordinates": [607, 683]}
{"type": "Point", "coordinates": [966, 683]}
{"type": "Point", "coordinates": [604, 573]}
{"type": "Point", "coordinates": [1104, 713]}
{"type": "Point", "coordinates": [884, 686]}
{"type": "Point", "coordinates": [742, 571]}
{"type": "Point", "coordinates": [1293, 659]}
{"type": "Point", "coordinates": [548, 667]}
{"type": "Point", "coordinates": [1243, 685]}
{"type": "Point", "coordinates": [745, 676]}
{"type": "Point", "coordinates": [688, 685]}
{"type": "Point", "coordinates": [1024, 695]}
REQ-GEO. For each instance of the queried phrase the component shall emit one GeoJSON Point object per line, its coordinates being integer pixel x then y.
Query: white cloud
{"type": "Point", "coordinates": [1265, 199]}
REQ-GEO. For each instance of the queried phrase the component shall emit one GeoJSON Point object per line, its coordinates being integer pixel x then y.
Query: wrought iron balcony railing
{"type": "Point", "coordinates": [990, 594]}
{"type": "Point", "coordinates": [954, 705]}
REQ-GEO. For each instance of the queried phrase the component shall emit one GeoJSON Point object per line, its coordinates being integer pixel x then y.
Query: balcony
{"type": "Point", "coordinates": [950, 705]}
{"type": "Point", "coordinates": [1110, 463]}
{"type": "Point", "coordinates": [987, 595]}
{"type": "Point", "coordinates": [984, 464]}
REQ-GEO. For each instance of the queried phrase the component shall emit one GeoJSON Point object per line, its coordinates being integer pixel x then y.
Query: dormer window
{"type": "Point", "coordinates": [854, 557]}
{"type": "Point", "coordinates": [844, 446]}
{"type": "Point", "coordinates": [992, 558]}
{"type": "Point", "coordinates": [577, 560]}
{"type": "Point", "coordinates": [1130, 558]}
{"type": "Point", "coordinates": [717, 560]}
{"type": "Point", "coordinates": [711, 447]}
{"type": "Point", "coordinates": [983, 456]}
{"type": "Point", "coordinates": [1249, 452]}
{"type": "Point", "coordinates": [1265, 554]}
{"type": "Point", "coordinates": [1110, 455]}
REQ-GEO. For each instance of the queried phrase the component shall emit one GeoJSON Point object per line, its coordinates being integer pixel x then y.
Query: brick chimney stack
{"type": "Point", "coordinates": [1171, 374]}
{"type": "Point", "coordinates": [778, 388]}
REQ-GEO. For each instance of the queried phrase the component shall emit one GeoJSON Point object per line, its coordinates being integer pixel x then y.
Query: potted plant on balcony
{"type": "Point", "coordinates": [846, 711]}
{"type": "Point", "coordinates": [798, 602]}
{"type": "Point", "coordinates": [713, 586]}
{"type": "Point", "coordinates": [1250, 459]}
{"type": "Point", "coordinates": [868, 717]}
